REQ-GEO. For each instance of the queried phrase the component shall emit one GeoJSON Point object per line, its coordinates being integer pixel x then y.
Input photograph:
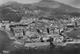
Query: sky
{"type": "Point", "coordinates": [74, 3]}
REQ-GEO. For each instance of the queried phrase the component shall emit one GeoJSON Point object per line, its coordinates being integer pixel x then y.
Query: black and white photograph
{"type": "Point", "coordinates": [39, 26]}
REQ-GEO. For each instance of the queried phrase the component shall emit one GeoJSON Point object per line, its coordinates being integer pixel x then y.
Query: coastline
{"type": "Point", "coordinates": [31, 44]}
{"type": "Point", "coordinates": [18, 47]}
{"type": "Point", "coordinates": [9, 35]}
{"type": "Point", "coordinates": [27, 44]}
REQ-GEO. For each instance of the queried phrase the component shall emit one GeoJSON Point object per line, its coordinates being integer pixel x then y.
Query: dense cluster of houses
{"type": "Point", "coordinates": [35, 30]}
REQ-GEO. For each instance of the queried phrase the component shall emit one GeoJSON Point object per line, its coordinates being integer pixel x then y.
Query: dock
{"type": "Point", "coordinates": [38, 44]}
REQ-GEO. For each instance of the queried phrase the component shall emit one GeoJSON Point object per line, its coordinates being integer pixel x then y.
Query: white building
{"type": "Point", "coordinates": [18, 31]}
{"type": "Point", "coordinates": [0, 25]}
{"type": "Point", "coordinates": [7, 27]}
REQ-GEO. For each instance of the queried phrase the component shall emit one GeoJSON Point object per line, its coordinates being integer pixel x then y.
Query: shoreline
{"type": "Point", "coordinates": [7, 32]}
{"type": "Point", "coordinates": [33, 44]}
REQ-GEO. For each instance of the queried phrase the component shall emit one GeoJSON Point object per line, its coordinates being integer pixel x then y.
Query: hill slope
{"type": "Point", "coordinates": [50, 9]}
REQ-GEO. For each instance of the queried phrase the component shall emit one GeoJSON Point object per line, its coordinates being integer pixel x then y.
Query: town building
{"type": "Point", "coordinates": [18, 31]}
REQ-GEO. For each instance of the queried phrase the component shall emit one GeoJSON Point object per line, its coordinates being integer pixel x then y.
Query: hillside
{"type": "Point", "coordinates": [14, 11]}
